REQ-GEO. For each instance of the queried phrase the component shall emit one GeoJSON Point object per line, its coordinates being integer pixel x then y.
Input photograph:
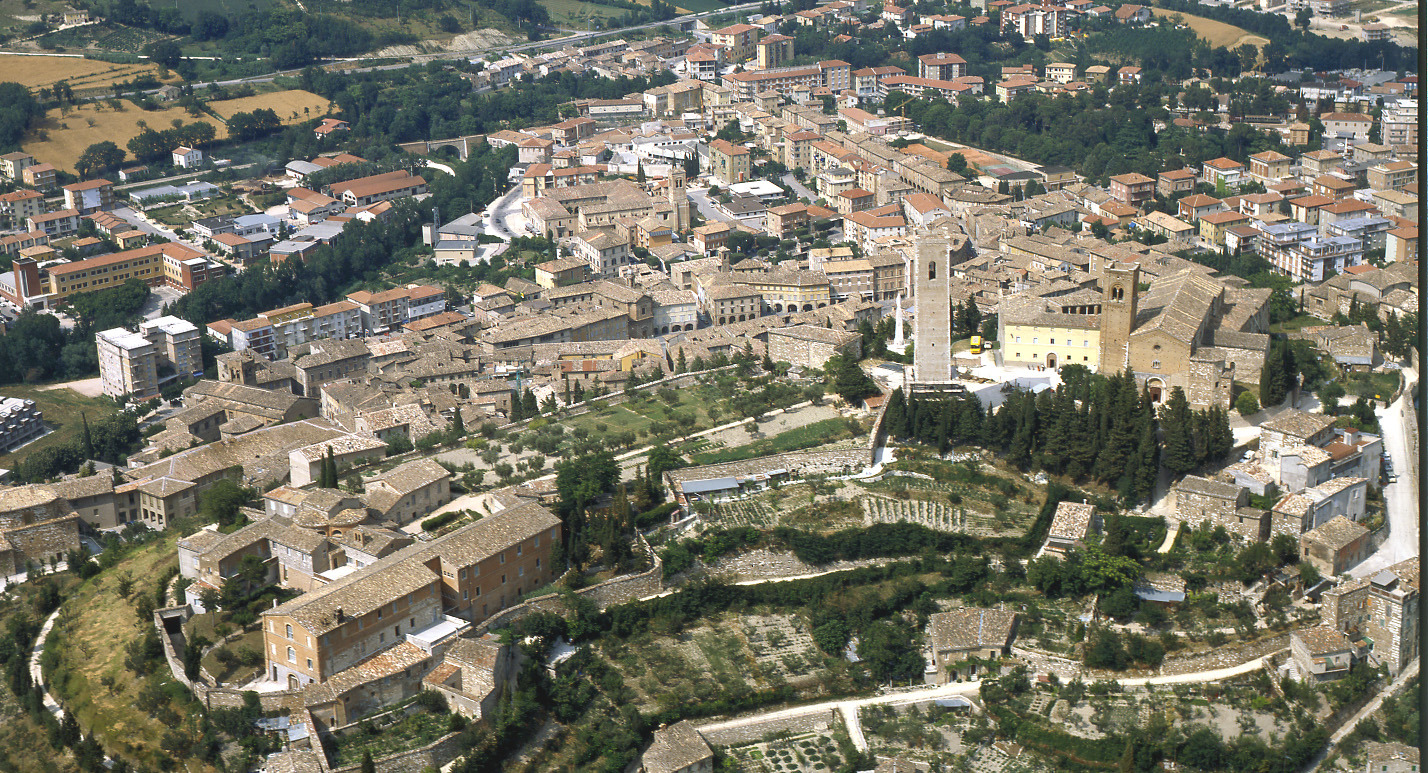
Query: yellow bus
{"type": "Point", "coordinates": [976, 344]}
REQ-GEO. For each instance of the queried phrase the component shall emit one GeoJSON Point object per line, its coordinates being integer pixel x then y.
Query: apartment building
{"type": "Point", "coordinates": [1033, 20]}
{"type": "Point", "coordinates": [1132, 189]}
{"type": "Point", "coordinates": [834, 75]}
{"type": "Point", "coordinates": [131, 363]}
{"type": "Point", "coordinates": [773, 51]}
{"type": "Point", "coordinates": [941, 67]}
{"type": "Point", "coordinates": [13, 165]}
{"type": "Point", "coordinates": [18, 206]}
{"type": "Point", "coordinates": [1269, 167]}
{"type": "Point", "coordinates": [382, 187]}
{"type": "Point", "coordinates": [90, 196]}
{"type": "Point", "coordinates": [867, 82]}
{"type": "Point", "coordinates": [738, 40]}
{"type": "Point", "coordinates": [1398, 123]}
{"type": "Point", "coordinates": [20, 422]}
{"type": "Point", "coordinates": [42, 177]}
{"type": "Point", "coordinates": [729, 163]}
{"type": "Point", "coordinates": [382, 311]}
{"type": "Point", "coordinates": [1392, 176]}
{"type": "Point", "coordinates": [1223, 171]}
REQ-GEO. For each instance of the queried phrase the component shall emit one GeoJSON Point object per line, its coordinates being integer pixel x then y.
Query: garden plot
{"type": "Point", "coordinates": [913, 732]}
{"type": "Point", "coordinates": [781, 647]}
{"type": "Point", "coordinates": [729, 515]}
{"type": "Point", "coordinates": [939, 516]}
{"type": "Point", "coordinates": [807, 753]}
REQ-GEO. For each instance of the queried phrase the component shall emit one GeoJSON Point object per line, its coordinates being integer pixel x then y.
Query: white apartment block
{"type": "Point", "coordinates": [139, 363]}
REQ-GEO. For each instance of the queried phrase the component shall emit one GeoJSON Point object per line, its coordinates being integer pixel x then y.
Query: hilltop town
{"type": "Point", "coordinates": [1003, 395]}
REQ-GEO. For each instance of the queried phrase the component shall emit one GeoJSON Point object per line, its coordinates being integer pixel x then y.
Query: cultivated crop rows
{"type": "Point", "coordinates": [933, 515]}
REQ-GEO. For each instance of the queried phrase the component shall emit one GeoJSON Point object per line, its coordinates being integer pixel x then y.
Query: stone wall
{"type": "Point", "coordinates": [39, 542]}
{"type": "Point", "coordinates": [1195, 508]}
{"type": "Point", "coordinates": [619, 590]}
{"type": "Point", "coordinates": [814, 721]}
{"type": "Point", "coordinates": [212, 697]}
{"type": "Point", "coordinates": [799, 351]}
{"type": "Point", "coordinates": [434, 755]}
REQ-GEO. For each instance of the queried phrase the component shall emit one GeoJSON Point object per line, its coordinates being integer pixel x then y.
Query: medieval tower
{"type": "Point", "coordinates": [678, 199]}
{"type": "Point", "coordinates": [932, 336]}
{"type": "Point", "coordinates": [1120, 299]}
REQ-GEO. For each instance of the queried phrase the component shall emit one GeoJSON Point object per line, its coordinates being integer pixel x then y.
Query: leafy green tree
{"type": "Point", "coordinates": [1246, 403]}
{"type": "Point", "coordinates": [222, 501]}
{"type": "Point", "coordinates": [891, 651]}
{"type": "Point", "coordinates": [99, 159]}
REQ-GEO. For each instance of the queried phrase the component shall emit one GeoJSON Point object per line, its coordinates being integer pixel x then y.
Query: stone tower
{"type": "Point", "coordinates": [932, 336]}
{"type": "Point", "coordinates": [678, 198]}
{"type": "Point", "coordinates": [1120, 298]}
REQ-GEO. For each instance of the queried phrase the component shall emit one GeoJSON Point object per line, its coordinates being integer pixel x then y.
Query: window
{"type": "Point", "coordinates": [932, 270]}
{"type": "Point", "coordinates": [290, 632]}
{"type": "Point", "coordinates": [1155, 364]}
{"type": "Point", "coordinates": [292, 655]}
{"type": "Point", "coordinates": [462, 574]}
{"type": "Point", "coordinates": [1053, 342]}
{"type": "Point", "coordinates": [309, 664]}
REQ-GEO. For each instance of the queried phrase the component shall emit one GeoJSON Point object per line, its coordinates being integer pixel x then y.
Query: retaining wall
{"type": "Point", "coordinates": [814, 721]}
{"type": "Point", "coordinates": [619, 590]}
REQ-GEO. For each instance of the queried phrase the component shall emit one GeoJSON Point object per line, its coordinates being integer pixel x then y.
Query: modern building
{"type": "Point", "coordinates": [20, 422]}
{"type": "Point", "coordinates": [139, 363]}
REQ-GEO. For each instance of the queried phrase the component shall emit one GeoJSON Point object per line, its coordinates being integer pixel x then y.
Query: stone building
{"type": "Point", "coordinates": [36, 525]}
{"type": "Point", "coordinates": [1392, 622]}
{"type": "Point", "coordinates": [1391, 757]}
{"type": "Point", "coordinates": [937, 251]}
{"type": "Point", "coordinates": [408, 491]}
{"type": "Point", "coordinates": [1072, 524]}
{"type": "Point", "coordinates": [971, 632]}
{"type": "Point", "coordinates": [1336, 546]}
{"type": "Point", "coordinates": [1345, 607]}
{"type": "Point", "coordinates": [678, 748]}
{"type": "Point", "coordinates": [810, 346]}
{"type": "Point", "coordinates": [1313, 507]}
{"type": "Point", "coordinates": [473, 675]}
{"type": "Point", "coordinates": [1201, 501]}
{"type": "Point", "coordinates": [468, 575]}
{"type": "Point", "coordinates": [1322, 654]}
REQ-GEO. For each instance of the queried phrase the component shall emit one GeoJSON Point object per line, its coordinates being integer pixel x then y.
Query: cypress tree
{"type": "Point", "coordinates": [1179, 443]}
{"type": "Point", "coordinates": [87, 440]}
{"type": "Point", "coordinates": [458, 425]}
{"type": "Point", "coordinates": [529, 407]}
{"type": "Point", "coordinates": [895, 420]}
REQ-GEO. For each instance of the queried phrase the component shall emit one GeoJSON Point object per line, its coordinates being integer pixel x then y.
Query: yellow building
{"type": "Point", "coordinates": [1050, 332]}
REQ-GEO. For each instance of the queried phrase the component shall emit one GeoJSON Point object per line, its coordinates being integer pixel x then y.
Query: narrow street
{"type": "Point", "coordinates": [1401, 495]}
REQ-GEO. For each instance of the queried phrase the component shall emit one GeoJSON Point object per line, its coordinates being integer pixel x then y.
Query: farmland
{"type": "Point", "coordinates": [1216, 33]}
{"type": "Point", "coordinates": [63, 137]}
{"type": "Point", "coordinates": [292, 106]}
{"type": "Point", "coordinates": [83, 75]}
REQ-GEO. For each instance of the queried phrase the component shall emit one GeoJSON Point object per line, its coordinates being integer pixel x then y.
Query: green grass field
{"type": "Point", "coordinates": [815, 434]}
{"type": "Point", "coordinates": [61, 409]}
{"type": "Point", "coordinates": [191, 8]}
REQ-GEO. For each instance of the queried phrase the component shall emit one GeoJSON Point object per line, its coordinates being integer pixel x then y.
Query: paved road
{"type": "Point", "coordinates": [705, 205]}
{"type": "Point", "coordinates": [1363, 713]}
{"type": "Point", "coordinates": [799, 188]}
{"type": "Point", "coordinates": [143, 223]}
{"type": "Point", "coordinates": [1401, 496]}
{"type": "Point", "coordinates": [849, 708]}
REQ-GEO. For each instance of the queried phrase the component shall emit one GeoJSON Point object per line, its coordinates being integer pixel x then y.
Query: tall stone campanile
{"type": "Point", "coordinates": [679, 198]}
{"type": "Point", "coordinates": [1120, 298]}
{"type": "Point", "coordinates": [932, 336]}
